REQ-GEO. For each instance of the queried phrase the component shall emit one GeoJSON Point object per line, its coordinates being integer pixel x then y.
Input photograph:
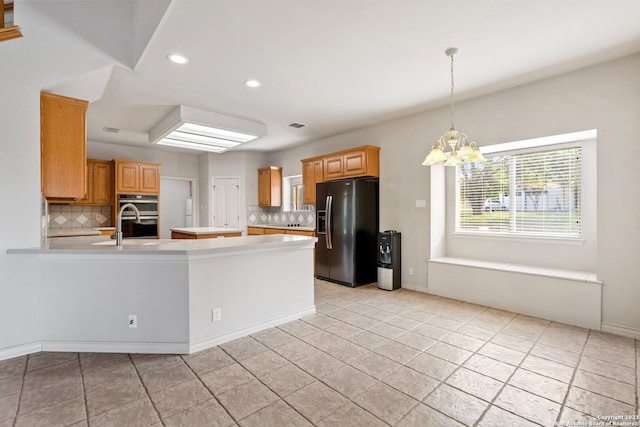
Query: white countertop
{"type": "Point", "coordinates": [73, 232]}
{"type": "Point", "coordinates": [282, 227]}
{"type": "Point", "coordinates": [92, 245]}
{"type": "Point", "coordinates": [207, 230]}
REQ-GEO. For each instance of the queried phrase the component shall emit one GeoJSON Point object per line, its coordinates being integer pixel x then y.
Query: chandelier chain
{"type": "Point", "coordinates": [452, 86]}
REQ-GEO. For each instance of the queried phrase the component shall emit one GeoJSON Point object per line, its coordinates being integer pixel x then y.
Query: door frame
{"type": "Point", "coordinates": [194, 198]}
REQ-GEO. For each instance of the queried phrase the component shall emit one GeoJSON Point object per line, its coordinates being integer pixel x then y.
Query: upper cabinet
{"type": "Point", "coordinates": [63, 147]}
{"type": "Point", "coordinates": [270, 186]}
{"type": "Point", "coordinates": [312, 173]}
{"type": "Point", "coordinates": [99, 183]}
{"type": "Point", "coordinates": [137, 177]}
{"type": "Point", "coordinates": [352, 163]}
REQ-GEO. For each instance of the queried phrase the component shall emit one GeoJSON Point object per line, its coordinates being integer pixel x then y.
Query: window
{"type": "Point", "coordinates": [534, 192]}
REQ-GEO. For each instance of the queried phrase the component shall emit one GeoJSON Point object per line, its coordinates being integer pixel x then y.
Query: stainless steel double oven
{"type": "Point", "coordinates": [147, 227]}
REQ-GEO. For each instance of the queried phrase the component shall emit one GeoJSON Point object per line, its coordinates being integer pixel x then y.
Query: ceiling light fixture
{"type": "Point", "coordinates": [462, 151]}
{"type": "Point", "coordinates": [188, 127]}
{"type": "Point", "coordinates": [253, 83]}
{"type": "Point", "coordinates": [177, 59]}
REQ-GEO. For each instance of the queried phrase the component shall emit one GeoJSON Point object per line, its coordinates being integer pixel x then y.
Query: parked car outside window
{"type": "Point", "coordinates": [494, 205]}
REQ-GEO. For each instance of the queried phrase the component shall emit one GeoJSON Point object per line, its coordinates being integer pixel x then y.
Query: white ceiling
{"type": "Point", "coordinates": [338, 65]}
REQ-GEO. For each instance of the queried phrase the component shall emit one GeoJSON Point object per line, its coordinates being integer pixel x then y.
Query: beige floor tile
{"type": "Point", "coordinates": [608, 369]}
{"type": "Point", "coordinates": [476, 332]}
{"type": "Point", "coordinates": [490, 367]}
{"type": "Point", "coordinates": [137, 413]}
{"type": "Point", "coordinates": [287, 380]}
{"type": "Point", "coordinates": [226, 379]}
{"type": "Point", "coordinates": [362, 322]}
{"type": "Point", "coordinates": [50, 394]}
{"type": "Point", "coordinates": [432, 331]}
{"type": "Point", "coordinates": [176, 399]}
{"type": "Point", "coordinates": [247, 399]}
{"type": "Point", "coordinates": [9, 406]}
{"type": "Point", "coordinates": [243, 348]}
{"type": "Point", "coordinates": [497, 417]}
{"type": "Point", "coordinates": [411, 382]}
{"type": "Point", "coordinates": [456, 404]}
{"type": "Point", "coordinates": [386, 330]}
{"type": "Point", "coordinates": [346, 351]}
{"type": "Point", "coordinates": [319, 364]}
{"type": "Point", "coordinates": [98, 377]}
{"type": "Point", "coordinates": [385, 402]}
{"type": "Point", "coordinates": [375, 365]}
{"type": "Point", "coordinates": [90, 361]}
{"type": "Point", "coordinates": [368, 340]}
{"type": "Point", "coordinates": [265, 362]}
{"type": "Point", "coordinates": [316, 401]}
{"type": "Point", "coordinates": [609, 354]}
{"type": "Point", "coordinates": [556, 354]}
{"type": "Point", "coordinates": [563, 340]}
{"type": "Point", "coordinates": [446, 323]}
{"type": "Point", "coordinates": [540, 385]}
{"type": "Point", "coordinates": [10, 385]}
{"type": "Point", "coordinates": [449, 353]}
{"type": "Point", "coordinates": [113, 395]}
{"type": "Point", "coordinates": [342, 314]}
{"type": "Point", "coordinates": [503, 354]}
{"type": "Point", "coordinates": [298, 328]}
{"type": "Point", "coordinates": [404, 322]}
{"type": "Point", "coordinates": [11, 367]}
{"type": "Point", "coordinates": [548, 368]}
{"type": "Point", "coordinates": [465, 342]}
{"type": "Point", "coordinates": [608, 387]}
{"type": "Point", "coordinates": [513, 342]}
{"type": "Point", "coordinates": [209, 361]}
{"type": "Point", "coordinates": [572, 417]}
{"type": "Point", "coordinates": [527, 405]}
{"type": "Point", "coordinates": [277, 414]}
{"type": "Point", "coordinates": [295, 350]}
{"type": "Point", "coordinates": [476, 384]}
{"type": "Point", "coordinates": [321, 339]}
{"type": "Point", "coordinates": [351, 415]}
{"type": "Point", "coordinates": [273, 337]}
{"type": "Point", "coordinates": [47, 359]}
{"type": "Point", "coordinates": [381, 315]}
{"type": "Point", "coordinates": [419, 315]}
{"type": "Point", "coordinates": [152, 362]}
{"type": "Point", "coordinates": [614, 342]}
{"type": "Point", "coordinates": [423, 415]}
{"type": "Point", "coordinates": [161, 379]}
{"type": "Point", "coordinates": [431, 365]}
{"type": "Point", "coordinates": [348, 381]}
{"type": "Point", "coordinates": [344, 330]}
{"type": "Point", "coordinates": [208, 413]}
{"type": "Point", "coordinates": [51, 375]}
{"type": "Point", "coordinates": [397, 352]}
{"type": "Point", "coordinates": [594, 404]}
{"type": "Point", "coordinates": [415, 340]}
{"type": "Point", "coordinates": [63, 413]}
{"type": "Point", "coordinates": [321, 321]}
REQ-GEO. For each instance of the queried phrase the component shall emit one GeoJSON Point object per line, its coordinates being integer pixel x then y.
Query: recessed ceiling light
{"type": "Point", "coordinates": [253, 83]}
{"type": "Point", "coordinates": [177, 59]}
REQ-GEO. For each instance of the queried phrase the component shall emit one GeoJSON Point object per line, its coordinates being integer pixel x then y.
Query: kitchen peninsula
{"type": "Point", "coordinates": [168, 296]}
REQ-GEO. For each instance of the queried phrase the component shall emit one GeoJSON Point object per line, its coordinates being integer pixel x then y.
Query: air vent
{"type": "Point", "coordinates": [110, 129]}
{"type": "Point", "coordinates": [297, 125]}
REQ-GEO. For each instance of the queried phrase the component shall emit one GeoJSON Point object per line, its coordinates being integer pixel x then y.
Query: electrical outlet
{"type": "Point", "coordinates": [216, 315]}
{"type": "Point", "coordinates": [410, 271]}
{"type": "Point", "coordinates": [133, 321]}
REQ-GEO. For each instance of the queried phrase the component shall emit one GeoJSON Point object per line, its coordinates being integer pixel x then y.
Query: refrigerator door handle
{"type": "Point", "coordinates": [328, 230]}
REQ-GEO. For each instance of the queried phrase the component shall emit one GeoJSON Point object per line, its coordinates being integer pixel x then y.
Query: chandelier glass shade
{"type": "Point", "coordinates": [460, 149]}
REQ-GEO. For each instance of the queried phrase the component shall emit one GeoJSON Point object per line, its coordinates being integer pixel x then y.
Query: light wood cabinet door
{"type": "Point", "coordinates": [312, 173]}
{"type": "Point", "coordinates": [127, 177]}
{"type": "Point", "coordinates": [63, 147]}
{"type": "Point", "coordinates": [270, 186]}
{"type": "Point", "coordinates": [149, 178]}
{"type": "Point", "coordinates": [334, 167]}
{"type": "Point", "coordinates": [255, 231]}
{"type": "Point", "coordinates": [274, 231]}
{"type": "Point", "coordinates": [356, 162]}
{"type": "Point", "coordinates": [102, 194]}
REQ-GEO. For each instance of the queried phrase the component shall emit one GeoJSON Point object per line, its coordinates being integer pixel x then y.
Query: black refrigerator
{"type": "Point", "coordinates": [347, 227]}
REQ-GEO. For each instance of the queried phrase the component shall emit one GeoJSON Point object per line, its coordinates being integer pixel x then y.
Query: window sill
{"type": "Point", "coordinates": [519, 238]}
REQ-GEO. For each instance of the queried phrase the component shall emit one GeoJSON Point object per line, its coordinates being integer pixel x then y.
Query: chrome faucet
{"type": "Point", "coordinates": [119, 230]}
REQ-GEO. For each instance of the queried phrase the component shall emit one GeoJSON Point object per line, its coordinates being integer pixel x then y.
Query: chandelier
{"type": "Point", "coordinates": [462, 151]}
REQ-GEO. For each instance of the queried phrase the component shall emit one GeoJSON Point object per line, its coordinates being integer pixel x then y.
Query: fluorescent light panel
{"type": "Point", "coordinates": [191, 145]}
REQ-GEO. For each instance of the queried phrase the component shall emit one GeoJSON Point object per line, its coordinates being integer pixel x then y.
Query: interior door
{"type": "Point", "coordinates": [226, 202]}
{"type": "Point", "coordinates": [174, 194]}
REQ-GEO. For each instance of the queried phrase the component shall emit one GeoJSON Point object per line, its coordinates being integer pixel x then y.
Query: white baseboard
{"type": "Point", "coordinates": [116, 347]}
{"type": "Point", "coordinates": [620, 330]}
{"type": "Point", "coordinates": [20, 350]}
{"type": "Point", "coordinates": [414, 288]}
{"type": "Point", "coordinates": [212, 342]}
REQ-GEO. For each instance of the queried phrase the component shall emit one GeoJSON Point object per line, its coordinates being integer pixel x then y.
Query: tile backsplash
{"type": "Point", "coordinates": [257, 215]}
{"type": "Point", "coordinates": [69, 216]}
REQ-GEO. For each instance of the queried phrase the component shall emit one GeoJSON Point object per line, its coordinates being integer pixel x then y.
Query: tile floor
{"type": "Point", "coordinates": [368, 358]}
